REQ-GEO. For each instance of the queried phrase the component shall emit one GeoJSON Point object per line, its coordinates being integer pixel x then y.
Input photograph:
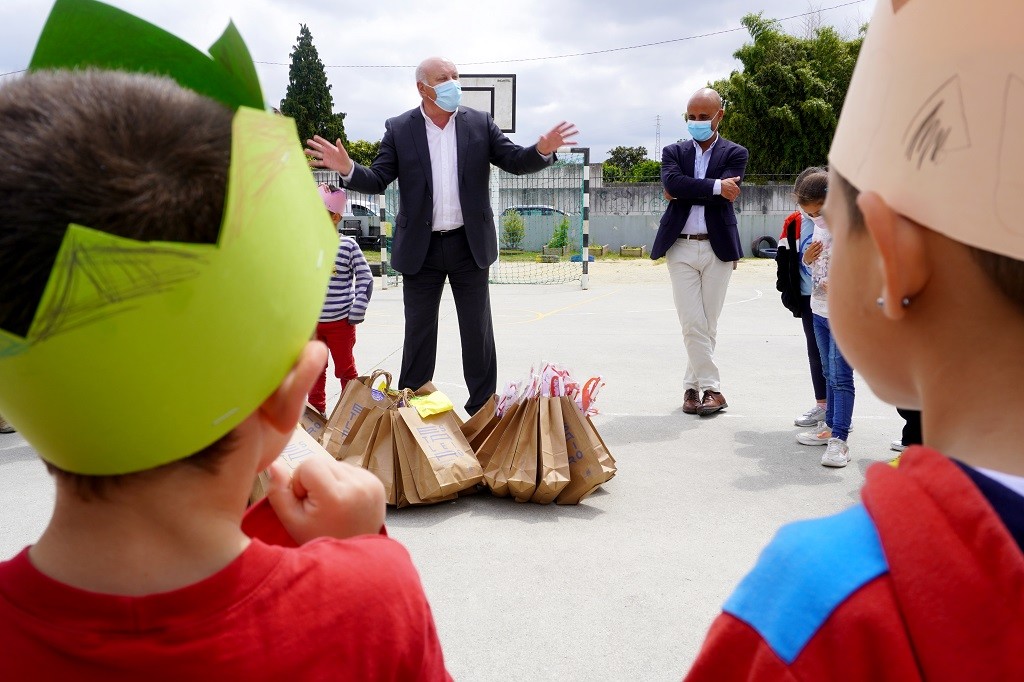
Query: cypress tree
{"type": "Point", "coordinates": [308, 99]}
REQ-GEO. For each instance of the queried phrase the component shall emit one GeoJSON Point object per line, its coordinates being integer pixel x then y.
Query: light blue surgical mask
{"type": "Point", "coordinates": [700, 130]}
{"type": "Point", "coordinates": [449, 95]}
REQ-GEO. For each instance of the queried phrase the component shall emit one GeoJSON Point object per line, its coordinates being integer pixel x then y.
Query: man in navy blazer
{"type": "Point", "coordinates": [699, 239]}
{"type": "Point", "coordinates": [441, 153]}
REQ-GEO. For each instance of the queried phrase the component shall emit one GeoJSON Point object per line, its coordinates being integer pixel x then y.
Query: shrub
{"type": "Point", "coordinates": [513, 230]}
{"type": "Point", "coordinates": [560, 237]}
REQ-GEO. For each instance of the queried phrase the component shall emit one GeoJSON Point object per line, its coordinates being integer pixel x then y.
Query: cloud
{"type": "Point", "coordinates": [614, 97]}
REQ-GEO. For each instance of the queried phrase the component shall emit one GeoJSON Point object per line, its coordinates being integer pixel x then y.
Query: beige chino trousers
{"type": "Point", "coordinates": [699, 285]}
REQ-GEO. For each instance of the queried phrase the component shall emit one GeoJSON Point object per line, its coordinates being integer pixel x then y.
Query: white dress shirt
{"type": "Point", "coordinates": [695, 223]}
{"type": "Point", "coordinates": [444, 172]}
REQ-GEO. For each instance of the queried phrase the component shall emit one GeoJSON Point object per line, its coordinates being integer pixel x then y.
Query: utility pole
{"type": "Point", "coordinates": [657, 138]}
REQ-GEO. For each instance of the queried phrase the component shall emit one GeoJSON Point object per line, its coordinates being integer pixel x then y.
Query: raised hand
{"type": "Point", "coordinates": [560, 136]}
{"type": "Point", "coordinates": [327, 155]}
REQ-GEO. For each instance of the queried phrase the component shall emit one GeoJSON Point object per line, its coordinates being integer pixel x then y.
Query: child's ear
{"type": "Point", "coordinates": [284, 406]}
{"type": "Point", "coordinates": [901, 248]}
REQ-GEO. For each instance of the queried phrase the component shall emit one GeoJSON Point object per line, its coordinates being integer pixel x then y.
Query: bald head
{"type": "Point", "coordinates": [705, 98]}
{"type": "Point", "coordinates": [433, 70]}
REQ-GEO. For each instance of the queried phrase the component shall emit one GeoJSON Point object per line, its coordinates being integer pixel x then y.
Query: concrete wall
{"type": "Point", "coordinates": [628, 215]}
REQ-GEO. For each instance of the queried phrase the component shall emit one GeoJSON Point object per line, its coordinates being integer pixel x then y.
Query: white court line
{"type": "Point", "coordinates": [760, 294]}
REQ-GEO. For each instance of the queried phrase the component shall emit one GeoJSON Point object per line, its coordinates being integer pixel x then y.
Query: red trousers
{"type": "Point", "coordinates": [340, 338]}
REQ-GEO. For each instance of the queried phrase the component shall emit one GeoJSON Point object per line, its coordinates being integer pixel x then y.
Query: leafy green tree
{"type": "Point", "coordinates": [623, 159]}
{"type": "Point", "coordinates": [646, 171]}
{"type": "Point", "coordinates": [785, 103]}
{"type": "Point", "coordinates": [513, 230]}
{"type": "Point", "coordinates": [363, 151]}
{"type": "Point", "coordinates": [308, 99]}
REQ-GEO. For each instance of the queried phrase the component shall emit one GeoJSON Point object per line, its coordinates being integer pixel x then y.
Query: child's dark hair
{"type": "Point", "coordinates": [136, 156]}
{"type": "Point", "coordinates": [811, 186]}
{"type": "Point", "coordinates": [133, 155]}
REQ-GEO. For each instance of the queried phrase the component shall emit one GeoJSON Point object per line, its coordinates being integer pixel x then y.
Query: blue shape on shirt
{"type": "Point", "coordinates": [808, 570]}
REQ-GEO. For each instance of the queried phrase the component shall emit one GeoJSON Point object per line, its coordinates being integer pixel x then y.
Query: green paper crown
{"type": "Point", "coordinates": [81, 34]}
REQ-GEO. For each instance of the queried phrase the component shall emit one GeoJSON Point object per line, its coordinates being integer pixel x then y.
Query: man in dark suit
{"type": "Point", "coordinates": [699, 240]}
{"type": "Point", "coordinates": [441, 155]}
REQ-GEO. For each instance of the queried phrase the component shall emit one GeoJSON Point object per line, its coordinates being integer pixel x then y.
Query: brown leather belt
{"type": "Point", "coordinates": [695, 237]}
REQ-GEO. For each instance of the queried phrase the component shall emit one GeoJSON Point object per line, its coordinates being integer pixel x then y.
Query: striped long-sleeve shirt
{"type": "Point", "coordinates": [351, 285]}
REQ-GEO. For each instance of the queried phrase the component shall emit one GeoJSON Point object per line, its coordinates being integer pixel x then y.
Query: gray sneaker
{"type": "Point", "coordinates": [819, 436]}
{"type": "Point", "coordinates": [811, 417]}
{"type": "Point", "coordinates": [836, 454]}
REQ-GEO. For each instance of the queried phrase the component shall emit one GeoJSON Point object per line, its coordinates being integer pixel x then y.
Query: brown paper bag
{"type": "Point", "coordinates": [314, 423]}
{"type": "Point", "coordinates": [522, 469]}
{"type": "Point", "coordinates": [485, 451]}
{"type": "Point", "coordinates": [604, 454]}
{"type": "Point", "coordinates": [586, 471]}
{"type": "Point", "coordinates": [405, 479]}
{"type": "Point", "coordinates": [357, 443]}
{"type": "Point", "coordinates": [499, 459]}
{"type": "Point", "coordinates": [442, 462]}
{"type": "Point", "coordinates": [350, 413]}
{"type": "Point", "coordinates": [380, 457]}
{"type": "Point", "coordinates": [553, 462]}
{"type": "Point", "coordinates": [481, 424]}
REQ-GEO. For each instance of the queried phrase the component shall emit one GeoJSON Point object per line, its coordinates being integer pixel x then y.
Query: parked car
{"type": "Point", "coordinates": [362, 222]}
{"type": "Point", "coordinates": [534, 210]}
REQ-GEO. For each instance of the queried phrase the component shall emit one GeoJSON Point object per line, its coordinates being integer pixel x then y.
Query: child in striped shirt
{"type": "Point", "coordinates": [348, 294]}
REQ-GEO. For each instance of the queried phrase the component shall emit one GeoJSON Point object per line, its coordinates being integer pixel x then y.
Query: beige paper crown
{"type": "Point", "coordinates": [934, 118]}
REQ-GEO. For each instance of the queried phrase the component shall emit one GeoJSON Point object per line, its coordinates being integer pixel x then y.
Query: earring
{"type": "Point", "coordinates": [905, 302]}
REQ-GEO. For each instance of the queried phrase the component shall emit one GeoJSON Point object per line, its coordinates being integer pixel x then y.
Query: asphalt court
{"type": "Point", "coordinates": [624, 585]}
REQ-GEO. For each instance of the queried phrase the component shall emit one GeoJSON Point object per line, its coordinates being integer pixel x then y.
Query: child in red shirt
{"type": "Point", "coordinates": [925, 579]}
{"type": "Point", "coordinates": [144, 571]}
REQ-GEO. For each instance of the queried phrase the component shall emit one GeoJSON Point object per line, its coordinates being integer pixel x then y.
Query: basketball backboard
{"type": "Point", "coordinates": [494, 93]}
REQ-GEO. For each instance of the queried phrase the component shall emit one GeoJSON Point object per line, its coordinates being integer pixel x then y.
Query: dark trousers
{"type": "Point", "coordinates": [813, 354]}
{"type": "Point", "coordinates": [912, 429]}
{"type": "Point", "coordinates": [449, 257]}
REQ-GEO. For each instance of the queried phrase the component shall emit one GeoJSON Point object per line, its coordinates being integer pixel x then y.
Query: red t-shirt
{"type": "Point", "coordinates": [328, 610]}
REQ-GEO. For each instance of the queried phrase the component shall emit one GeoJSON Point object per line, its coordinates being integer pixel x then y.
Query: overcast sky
{"type": "Point", "coordinates": [613, 97]}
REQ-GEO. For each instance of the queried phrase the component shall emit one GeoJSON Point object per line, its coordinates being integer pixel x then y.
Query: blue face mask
{"type": "Point", "coordinates": [700, 130]}
{"type": "Point", "coordinates": [449, 95]}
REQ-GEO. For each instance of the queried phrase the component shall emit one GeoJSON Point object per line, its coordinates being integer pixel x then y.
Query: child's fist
{"type": "Point", "coordinates": [325, 498]}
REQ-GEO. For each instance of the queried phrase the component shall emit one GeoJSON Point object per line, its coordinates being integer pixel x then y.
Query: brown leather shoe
{"type": "Point", "coordinates": [691, 401]}
{"type": "Point", "coordinates": [713, 402]}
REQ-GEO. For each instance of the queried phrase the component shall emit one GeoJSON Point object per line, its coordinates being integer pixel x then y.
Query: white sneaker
{"type": "Point", "coordinates": [836, 454]}
{"type": "Point", "coordinates": [897, 445]}
{"type": "Point", "coordinates": [811, 417]}
{"type": "Point", "coordinates": [819, 436]}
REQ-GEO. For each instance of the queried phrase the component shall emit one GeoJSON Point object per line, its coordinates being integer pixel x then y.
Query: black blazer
{"type": "Point", "coordinates": [728, 160]}
{"type": "Point", "coordinates": [404, 155]}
